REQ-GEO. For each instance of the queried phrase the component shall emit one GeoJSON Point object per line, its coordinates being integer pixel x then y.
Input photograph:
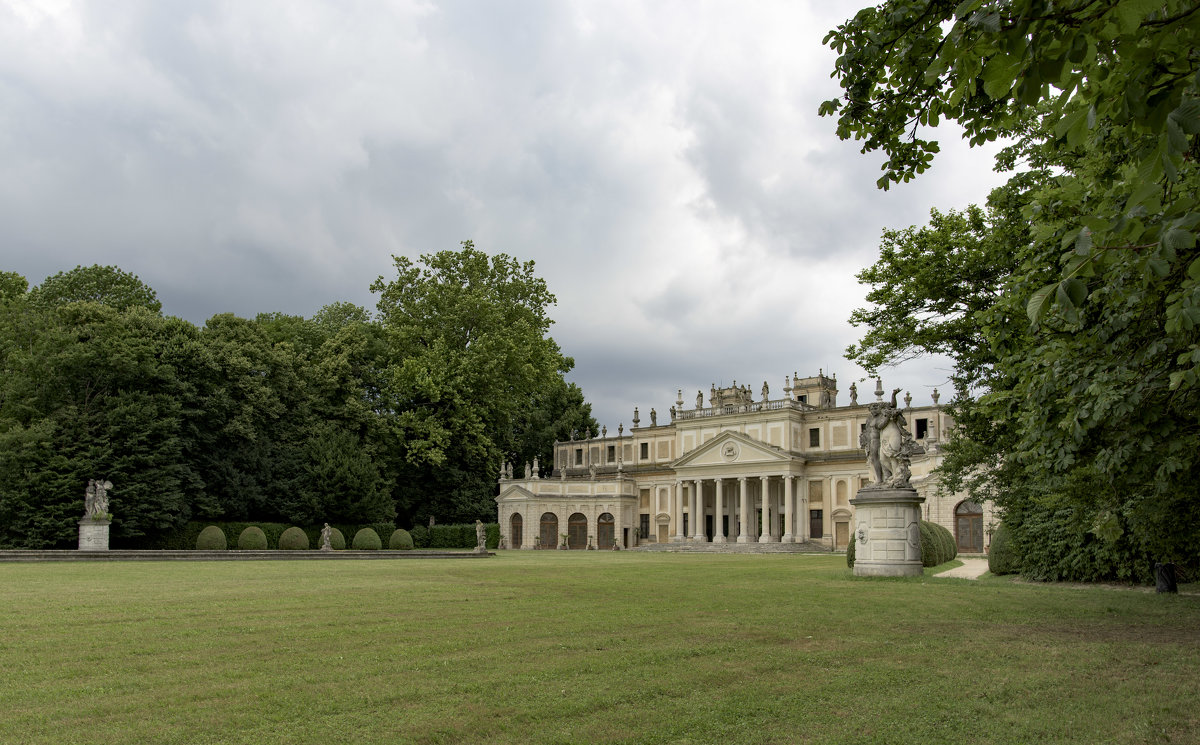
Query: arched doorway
{"type": "Point", "coordinates": [968, 527]}
{"type": "Point", "coordinates": [549, 533]}
{"type": "Point", "coordinates": [605, 525]}
{"type": "Point", "coordinates": [577, 531]}
{"type": "Point", "coordinates": [518, 526]}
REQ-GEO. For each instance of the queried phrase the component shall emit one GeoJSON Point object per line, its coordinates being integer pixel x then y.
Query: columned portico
{"type": "Point", "coordinates": [718, 516]}
{"type": "Point", "coordinates": [789, 521]}
{"type": "Point", "coordinates": [678, 537]}
{"type": "Point", "coordinates": [764, 535]}
{"type": "Point", "coordinates": [744, 521]}
{"type": "Point", "coordinates": [697, 519]}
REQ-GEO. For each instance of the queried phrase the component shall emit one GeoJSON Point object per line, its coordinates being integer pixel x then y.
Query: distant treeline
{"type": "Point", "coordinates": [350, 416]}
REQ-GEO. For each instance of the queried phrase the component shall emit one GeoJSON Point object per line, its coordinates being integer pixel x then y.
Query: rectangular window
{"type": "Point", "coordinates": [814, 438]}
{"type": "Point", "coordinates": [645, 525]}
{"type": "Point", "coordinates": [816, 526]}
{"type": "Point", "coordinates": [612, 454]}
{"type": "Point", "coordinates": [922, 429]}
{"type": "Point", "coordinates": [579, 456]}
{"type": "Point", "coordinates": [802, 398]}
{"type": "Point", "coordinates": [645, 451]}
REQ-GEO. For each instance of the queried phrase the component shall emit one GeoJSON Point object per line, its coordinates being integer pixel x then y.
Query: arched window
{"type": "Point", "coordinates": [968, 527]}
{"type": "Point", "coordinates": [549, 532]}
{"type": "Point", "coordinates": [577, 531]}
{"type": "Point", "coordinates": [518, 525]}
{"type": "Point", "coordinates": [605, 531]}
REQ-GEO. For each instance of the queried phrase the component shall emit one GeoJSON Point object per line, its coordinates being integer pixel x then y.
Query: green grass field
{"type": "Point", "coordinates": [567, 647]}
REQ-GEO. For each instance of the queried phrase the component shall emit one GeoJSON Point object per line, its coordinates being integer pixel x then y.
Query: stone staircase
{"type": "Point", "coordinates": [736, 548]}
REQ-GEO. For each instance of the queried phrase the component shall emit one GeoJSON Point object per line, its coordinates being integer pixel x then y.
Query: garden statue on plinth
{"type": "Point", "coordinates": [480, 538]}
{"type": "Point", "coordinates": [326, 534]}
{"type": "Point", "coordinates": [93, 528]}
{"type": "Point", "coordinates": [888, 510]}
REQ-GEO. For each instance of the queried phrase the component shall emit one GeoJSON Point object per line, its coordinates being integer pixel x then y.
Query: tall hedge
{"type": "Point", "coordinates": [1002, 557]}
{"type": "Point", "coordinates": [456, 535]}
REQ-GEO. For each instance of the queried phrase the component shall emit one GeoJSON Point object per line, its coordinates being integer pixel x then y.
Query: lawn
{"type": "Point", "coordinates": [566, 647]}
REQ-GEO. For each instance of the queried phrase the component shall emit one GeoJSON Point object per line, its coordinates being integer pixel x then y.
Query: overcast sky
{"type": "Point", "coordinates": [662, 163]}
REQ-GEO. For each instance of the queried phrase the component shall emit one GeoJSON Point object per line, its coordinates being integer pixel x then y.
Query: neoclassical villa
{"type": "Point", "coordinates": [741, 469]}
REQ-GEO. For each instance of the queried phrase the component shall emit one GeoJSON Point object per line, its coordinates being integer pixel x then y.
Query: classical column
{"type": "Point", "coordinates": [718, 528]}
{"type": "Point", "coordinates": [765, 535]}
{"type": "Point", "coordinates": [743, 534]}
{"type": "Point", "coordinates": [697, 517]}
{"type": "Point", "coordinates": [804, 521]}
{"type": "Point", "coordinates": [789, 516]}
{"type": "Point", "coordinates": [678, 537]}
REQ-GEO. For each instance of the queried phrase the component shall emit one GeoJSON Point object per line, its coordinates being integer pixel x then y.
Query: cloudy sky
{"type": "Point", "coordinates": [662, 163]}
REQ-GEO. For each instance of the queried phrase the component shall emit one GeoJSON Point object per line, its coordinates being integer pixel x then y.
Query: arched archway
{"type": "Point", "coordinates": [517, 530]}
{"type": "Point", "coordinates": [968, 527]}
{"type": "Point", "coordinates": [549, 532]}
{"type": "Point", "coordinates": [577, 531]}
{"type": "Point", "coordinates": [605, 530]}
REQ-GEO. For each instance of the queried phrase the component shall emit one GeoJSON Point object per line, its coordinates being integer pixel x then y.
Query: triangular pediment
{"type": "Point", "coordinates": [513, 492]}
{"type": "Point", "coordinates": [732, 449]}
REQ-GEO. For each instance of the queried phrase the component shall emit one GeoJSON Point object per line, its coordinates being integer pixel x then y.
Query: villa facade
{"type": "Point", "coordinates": [739, 469]}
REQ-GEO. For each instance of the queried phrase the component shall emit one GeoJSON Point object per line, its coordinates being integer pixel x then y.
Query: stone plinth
{"type": "Point", "coordinates": [887, 532]}
{"type": "Point", "coordinates": [93, 534]}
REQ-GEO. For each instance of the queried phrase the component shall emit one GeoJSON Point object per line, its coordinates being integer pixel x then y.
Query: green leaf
{"type": "Point", "coordinates": [1177, 239]}
{"type": "Point", "coordinates": [1039, 303]}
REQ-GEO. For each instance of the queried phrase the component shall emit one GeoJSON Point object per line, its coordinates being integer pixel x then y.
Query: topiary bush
{"type": "Point", "coordinates": [1002, 556]}
{"type": "Point", "coordinates": [211, 538]}
{"type": "Point", "coordinates": [366, 540]}
{"type": "Point", "coordinates": [949, 547]}
{"type": "Point", "coordinates": [850, 552]}
{"type": "Point", "coordinates": [400, 540]}
{"type": "Point", "coordinates": [293, 539]}
{"type": "Point", "coordinates": [929, 546]}
{"type": "Point", "coordinates": [252, 539]}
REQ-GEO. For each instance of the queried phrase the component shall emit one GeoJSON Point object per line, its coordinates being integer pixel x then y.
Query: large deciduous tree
{"type": "Point", "coordinates": [1075, 320]}
{"type": "Point", "coordinates": [469, 354]}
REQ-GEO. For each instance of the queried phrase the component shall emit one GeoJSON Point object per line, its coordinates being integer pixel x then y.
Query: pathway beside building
{"type": "Point", "coordinates": [970, 569]}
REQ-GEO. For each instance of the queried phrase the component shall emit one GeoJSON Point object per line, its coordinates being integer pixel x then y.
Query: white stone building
{"type": "Point", "coordinates": [739, 470]}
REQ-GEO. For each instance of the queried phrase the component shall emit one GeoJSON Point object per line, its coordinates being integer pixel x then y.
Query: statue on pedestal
{"type": "Point", "coordinates": [480, 537]}
{"type": "Point", "coordinates": [95, 501]}
{"type": "Point", "coordinates": [889, 445]}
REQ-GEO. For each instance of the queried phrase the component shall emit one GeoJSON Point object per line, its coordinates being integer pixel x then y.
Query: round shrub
{"type": "Point", "coordinates": [850, 552]}
{"type": "Point", "coordinates": [929, 546]}
{"type": "Point", "coordinates": [211, 538]}
{"type": "Point", "coordinates": [366, 540]}
{"type": "Point", "coordinates": [337, 541]}
{"type": "Point", "coordinates": [949, 547]}
{"type": "Point", "coordinates": [400, 541]}
{"type": "Point", "coordinates": [293, 539]}
{"type": "Point", "coordinates": [252, 539]}
{"type": "Point", "coordinates": [1002, 558]}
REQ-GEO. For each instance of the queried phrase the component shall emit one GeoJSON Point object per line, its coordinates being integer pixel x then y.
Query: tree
{"type": "Point", "coordinates": [1077, 320]}
{"type": "Point", "coordinates": [108, 285]}
{"type": "Point", "coordinates": [469, 352]}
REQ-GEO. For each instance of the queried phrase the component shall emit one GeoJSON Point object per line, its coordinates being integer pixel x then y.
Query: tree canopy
{"type": "Point", "coordinates": [345, 417]}
{"type": "Point", "coordinates": [1071, 304]}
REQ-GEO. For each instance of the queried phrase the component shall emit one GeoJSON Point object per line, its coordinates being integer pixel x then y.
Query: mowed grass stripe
{"type": "Point", "coordinates": [551, 647]}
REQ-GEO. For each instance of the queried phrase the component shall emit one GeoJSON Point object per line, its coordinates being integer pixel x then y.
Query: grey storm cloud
{"type": "Point", "coordinates": [662, 163]}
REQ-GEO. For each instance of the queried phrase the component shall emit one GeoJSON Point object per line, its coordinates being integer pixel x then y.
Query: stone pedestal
{"type": "Point", "coordinates": [887, 532]}
{"type": "Point", "coordinates": [93, 534]}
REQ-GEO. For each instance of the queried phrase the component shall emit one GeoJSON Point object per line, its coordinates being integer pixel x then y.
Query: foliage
{"type": "Point", "coordinates": [468, 352]}
{"type": "Point", "coordinates": [1002, 558]}
{"type": "Point", "coordinates": [1075, 332]}
{"type": "Point", "coordinates": [107, 285]}
{"type": "Point", "coordinates": [337, 539]}
{"type": "Point", "coordinates": [850, 553]}
{"type": "Point", "coordinates": [293, 539]}
{"type": "Point", "coordinates": [252, 539]}
{"type": "Point", "coordinates": [400, 540]}
{"type": "Point", "coordinates": [929, 546]}
{"type": "Point", "coordinates": [211, 538]}
{"type": "Point", "coordinates": [366, 540]}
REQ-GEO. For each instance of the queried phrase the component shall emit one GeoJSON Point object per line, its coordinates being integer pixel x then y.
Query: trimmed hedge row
{"type": "Point", "coordinates": [460, 535]}
{"type": "Point", "coordinates": [188, 538]}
